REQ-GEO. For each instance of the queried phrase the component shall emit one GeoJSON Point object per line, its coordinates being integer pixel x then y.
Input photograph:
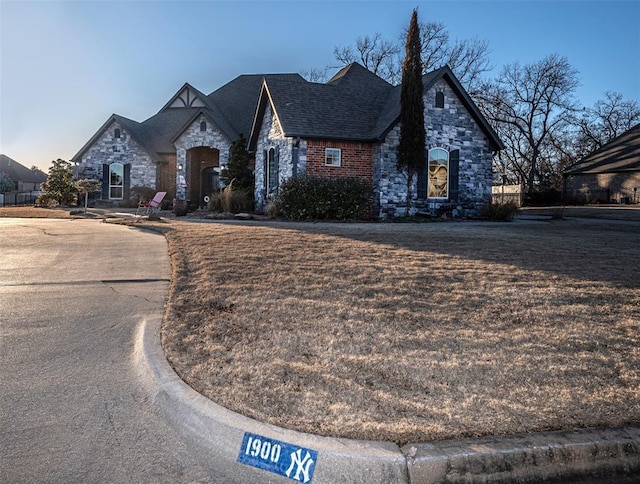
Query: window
{"type": "Point", "coordinates": [439, 99]}
{"type": "Point", "coordinates": [332, 156]}
{"type": "Point", "coordinates": [438, 173]}
{"type": "Point", "coordinates": [271, 173]}
{"type": "Point", "coordinates": [203, 126]}
{"type": "Point", "coordinates": [116, 181]}
{"type": "Point", "coordinates": [116, 133]}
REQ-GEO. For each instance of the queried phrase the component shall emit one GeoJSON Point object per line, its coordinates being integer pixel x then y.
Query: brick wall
{"type": "Point", "coordinates": [356, 159]}
{"type": "Point", "coordinates": [166, 176]}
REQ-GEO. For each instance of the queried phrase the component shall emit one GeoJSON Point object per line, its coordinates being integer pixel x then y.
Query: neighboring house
{"type": "Point", "coordinates": [347, 127]}
{"type": "Point", "coordinates": [24, 179]}
{"type": "Point", "coordinates": [609, 174]}
{"type": "Point", "coordinates": [26, 183]}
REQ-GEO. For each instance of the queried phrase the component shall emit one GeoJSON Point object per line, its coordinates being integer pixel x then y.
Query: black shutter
{"type": "Point", "coordinates": [105, 181]}
{"type": "Point", "coordinates": [423, 178]}
{"type": "Point", "coordinates": [127, 182]}
{"type": "Point", "coordinates": [454, 172]}
{"type": "Point", "coordinates": [266, 171]}
{"type": "Point", "coordinates": [276, 163]}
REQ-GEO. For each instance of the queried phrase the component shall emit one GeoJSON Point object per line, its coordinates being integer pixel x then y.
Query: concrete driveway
{"type": "Point", "coordinates": [72, 293]}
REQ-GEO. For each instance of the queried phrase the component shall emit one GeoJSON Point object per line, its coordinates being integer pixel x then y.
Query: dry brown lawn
{"type": "Point", "coordinates": [410, 332]}
{"type": "Point", "coordinates": [34, 212]}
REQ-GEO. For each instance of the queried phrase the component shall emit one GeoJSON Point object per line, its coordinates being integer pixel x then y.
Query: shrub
{"type": "Point", "coordinates": [311, 197]}
{"type": "Point", "coordinates": [499, 212]}
{"type": "Point", "coordinates": [138, 193]}
{"type": "Point", "coordinates": [231, 200]}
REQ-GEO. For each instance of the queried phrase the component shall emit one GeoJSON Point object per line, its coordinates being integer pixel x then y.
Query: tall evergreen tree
{"type": "Point", "coordinates": [238, 169]}
{"type": "Point", "coordinates": [411, 157]}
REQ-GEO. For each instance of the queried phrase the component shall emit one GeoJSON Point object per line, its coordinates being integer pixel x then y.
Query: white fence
{"type": "Point", "coordinates": [507, 193]}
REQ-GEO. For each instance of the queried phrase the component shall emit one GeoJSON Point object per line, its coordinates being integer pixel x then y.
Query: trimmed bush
{"type": "Point", "coordinates": [499, 212]}
{"type": "Point", "coordinates": [309, 197]}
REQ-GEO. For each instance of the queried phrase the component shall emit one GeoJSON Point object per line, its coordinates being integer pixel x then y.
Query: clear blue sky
{"type": "Point", "coordinates": [66, 66]}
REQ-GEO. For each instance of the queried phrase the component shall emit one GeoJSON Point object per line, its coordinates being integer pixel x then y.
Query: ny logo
{"type": "Point", "coordinates": [303, 466]}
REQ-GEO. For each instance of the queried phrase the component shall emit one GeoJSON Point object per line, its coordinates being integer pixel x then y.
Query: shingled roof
{"type": "Point", "coordinates": [622, 154]}
{"type": "Point", "coordinates": [18, 172]}
{"type": "Point", "coordinates": [354, 105]}
{"type": "Point", "coordinates": [230, 108]}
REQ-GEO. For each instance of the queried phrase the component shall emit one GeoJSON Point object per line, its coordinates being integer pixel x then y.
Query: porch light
{"type": "Point", "coordinates": [180, 167]}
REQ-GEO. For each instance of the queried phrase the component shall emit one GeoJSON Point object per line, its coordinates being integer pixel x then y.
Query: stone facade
{"type": "Point", "coordinates": [272, 136]}
{"type": "Point", "coordinates": [451, 128]}
{"type": "Point", "coordinates": [194, 137]}
{"type": "Point", "coordinates": [110, 149]}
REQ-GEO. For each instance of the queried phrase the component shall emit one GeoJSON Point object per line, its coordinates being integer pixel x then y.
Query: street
{"type": "Point", "coordinates": [73, 409]}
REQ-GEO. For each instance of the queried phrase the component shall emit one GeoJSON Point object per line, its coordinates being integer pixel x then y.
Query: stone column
{"type": "Point", "coordinates": [180, 203]}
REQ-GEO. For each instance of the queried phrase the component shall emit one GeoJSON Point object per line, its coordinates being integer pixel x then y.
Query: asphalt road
{"type": "Point", "coordinates": [73, 407]}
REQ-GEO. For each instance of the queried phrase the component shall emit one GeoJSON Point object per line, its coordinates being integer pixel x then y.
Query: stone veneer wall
{"type": "Point", "coordinates": [192, 137]}
{"type": "Point", "coordinates": [109, 149]}
{"type": "Point", "coordinates": [451, 128]}
{"type": "Point", "coordinates": [272, 136]}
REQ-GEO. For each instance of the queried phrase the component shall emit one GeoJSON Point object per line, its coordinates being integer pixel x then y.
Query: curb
{"type": "Point", "coordinates": [536, 457]}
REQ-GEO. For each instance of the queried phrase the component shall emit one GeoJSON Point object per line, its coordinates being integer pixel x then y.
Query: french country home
{"type": "Point", "coordinates": [346, 127]}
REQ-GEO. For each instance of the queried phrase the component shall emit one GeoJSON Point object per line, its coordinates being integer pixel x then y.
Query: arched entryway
{"type": "Point", "coordinates": [203, 173]}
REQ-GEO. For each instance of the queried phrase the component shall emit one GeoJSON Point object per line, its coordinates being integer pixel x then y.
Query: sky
{"type": "Point", "coordinates": [66, 66]}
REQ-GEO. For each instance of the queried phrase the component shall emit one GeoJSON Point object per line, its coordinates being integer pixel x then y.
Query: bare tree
{"type": "Point", "coordinates": [373, 52]}
{"type": "Point", "coordinates": [315, 74]}
{"type": "Point", "coordinates": [607, 119]}
{"type": "Point", "coordinates": [468, 59]}
{"type": "Point", "coordinates": [531, 107]}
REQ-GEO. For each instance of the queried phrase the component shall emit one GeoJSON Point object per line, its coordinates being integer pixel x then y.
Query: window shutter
{"type": "Point", "coordinates": [423, 180]}
{"type": "Point", "coordinates": [454, 172]}
{"type": "Point", "coordinates": [265, 174]}
{"type": "Point", "coordinates": [127, 181]}
{"type": "Point", "coordinates": [276, 170]}
{"type": "Point", "coordinates": [105, 182]}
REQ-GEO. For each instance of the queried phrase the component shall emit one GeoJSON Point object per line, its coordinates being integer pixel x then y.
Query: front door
{"type": "Point", "coordinates": [210, 183]}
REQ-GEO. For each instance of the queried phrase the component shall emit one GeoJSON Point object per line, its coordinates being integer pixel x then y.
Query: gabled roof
{"type": "Point", "coordinates": [355, 105]}
{"type": "Point", "coordinates": [345, 108]}
{"type": "Point", "coordinates": [621, 154]}
{"type": "Point", "coordinates": [135, 130]}
{"type": "Point", "coordinates": [230, 108]}
{"type": "Point", "coordinates": [237, 99]}
{"type": "Point", "coordinates": [391, 113]}
{"type": "Point", "coordinates": [19, 172]}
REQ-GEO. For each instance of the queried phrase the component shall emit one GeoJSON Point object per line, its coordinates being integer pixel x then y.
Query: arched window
{"type": "Point", "coordinates": [271, 170]}
{"type": "Point", "coordinates": [203, 126]}
{"type": "Point", "coordinates": [438, 173]}
{"type": "Point", "coordinates": [439, 99]}
{"type": "Point", "coordinates": [116, 181]}
{"type": "Point", "coordinates": [116, 133]}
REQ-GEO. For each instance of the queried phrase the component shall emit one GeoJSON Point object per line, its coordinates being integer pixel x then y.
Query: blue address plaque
{"type": "Point", "coordinates": [292, 461]}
